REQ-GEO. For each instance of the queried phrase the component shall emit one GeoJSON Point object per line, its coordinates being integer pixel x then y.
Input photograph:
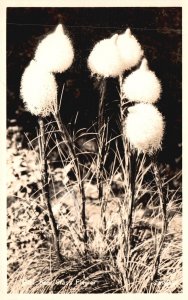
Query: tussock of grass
{"type": "Point", "coordinates": [102, 269]}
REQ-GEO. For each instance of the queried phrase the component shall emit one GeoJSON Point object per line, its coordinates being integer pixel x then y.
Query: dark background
{"type": "Point", "coordinates": [157, 29]}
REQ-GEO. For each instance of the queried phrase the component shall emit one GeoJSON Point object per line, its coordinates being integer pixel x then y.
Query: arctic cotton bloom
{"type": "Point", "coordinates": [38, 90]}
{"type": "Point", "coordinates": [142, 85]}
{"type": "Point", "coordinates": [55, 52]}
{"type": "Point", "coordinates": [129, 49]}
{"type": "Point", "coordinates": [144, 127]}
{"type": "Point", "coordinates": [104, 59]}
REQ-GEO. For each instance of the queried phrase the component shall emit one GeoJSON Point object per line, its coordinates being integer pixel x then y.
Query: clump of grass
{"type": "Point", "coordinates": [103, 270]}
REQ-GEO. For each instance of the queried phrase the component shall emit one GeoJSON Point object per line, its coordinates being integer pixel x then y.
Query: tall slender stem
{"type": "Point", "coordinates": [164, 218]}
{"type": "Point", "coordinates": [46, 192]}
{"type": "Point", "coordinates": [70, 145]}
{"type": "Point", "coordinates": [130, 206]}
{"type": "Point", "coordinates": [130, 167]}
{"type": "Point", "coordinates": [101, 154]}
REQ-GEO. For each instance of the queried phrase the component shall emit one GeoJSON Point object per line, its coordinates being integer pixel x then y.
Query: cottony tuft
{"type": "Point", "coordinates": [38, 90]}
{"type": "Point", "coordinates": [129, 49]}
{"type": "Point", "coordinates": [104, 59]}
{"type": "Point", "coordinates": [144, 128]}
{"type": "Point", "coordinates": [142, 85]}
{"type": "Point", "coordinates": [55, 52]}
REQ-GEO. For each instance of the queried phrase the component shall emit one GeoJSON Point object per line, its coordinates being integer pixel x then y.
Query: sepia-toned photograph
{"type": "Point", "coordinates": [94, 150]}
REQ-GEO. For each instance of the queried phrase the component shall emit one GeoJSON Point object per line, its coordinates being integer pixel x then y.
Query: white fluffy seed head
{"type": "Point", "coordinates": [144, 128]}
{"type": "Point", "coordinates": [129, 49]}
{"type": "Point", "coordinates": [38, 90]}
{"type": "Point", "coordinates": [104, 59]}
{"type": "Point", "coordinates": [142, 85]}
{"type": "Point", "coordinates": [55, 52]}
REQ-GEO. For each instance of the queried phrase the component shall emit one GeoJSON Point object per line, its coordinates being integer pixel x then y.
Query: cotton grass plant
{"type": "Point", "coordinates": [39, 93]}
{"type": "Point", "coordinates": [107, 252]}
{"type": "Point", "coordinates": [111, 58]}
{"type": "Point", "coordinates": [103, 62]}
{"type": "Point", "coordinates": [142, 125]}
{"type": "Point", "coordinates": [44, 101]}
{"type": "Point", "coordinates": [142, 133]}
